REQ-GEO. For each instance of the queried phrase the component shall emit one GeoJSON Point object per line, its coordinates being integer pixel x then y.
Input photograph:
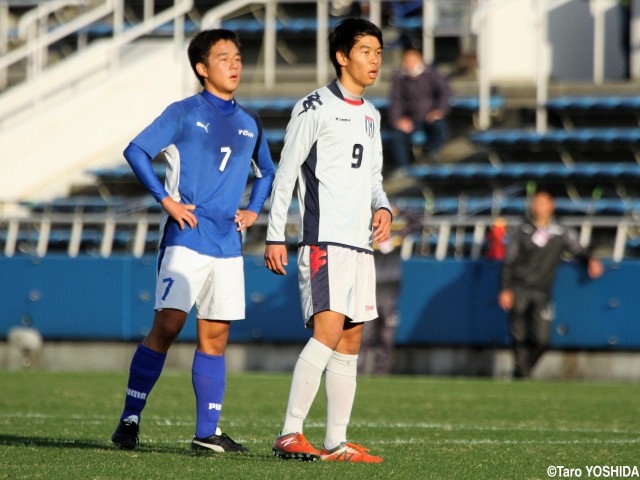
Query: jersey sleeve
{"type": "Point", "coordinates": [140, 163]}
{"type": "Point", "coordinates": [263, 171]}
{"type": "Point", "coordinates": [162, 132]}
{"type": "Point", "coordinates": [152, 140]}
{"type": "Point", "coordinates": [378, 196]}
{"type": "Point", "coordinates": [571, 243]}
{"type": "Point", "coordinates": [302, 133]}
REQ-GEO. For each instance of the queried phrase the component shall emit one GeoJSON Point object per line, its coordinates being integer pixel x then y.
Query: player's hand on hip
{"type": "Point", "coordinates": [180, 212]}
{"type": "Point", "coordinates": [245, 218]}
{"type": "Point", "coordinates": [381, 225]}
{"type": "Point", "coordinates": [275, 258]}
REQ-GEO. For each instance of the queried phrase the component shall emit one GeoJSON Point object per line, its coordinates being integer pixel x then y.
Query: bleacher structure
{"type": "Point", "coordinates": [589, 158]}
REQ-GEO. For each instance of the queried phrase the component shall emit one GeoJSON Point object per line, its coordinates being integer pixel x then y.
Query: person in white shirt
{"type": "Point", "coordinates": [333, 149]}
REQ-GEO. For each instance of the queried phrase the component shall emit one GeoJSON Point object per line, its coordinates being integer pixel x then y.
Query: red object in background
{"type": "Point", "coordinates": [496, 240]}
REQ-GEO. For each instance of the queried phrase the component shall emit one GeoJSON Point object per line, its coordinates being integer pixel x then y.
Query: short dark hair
{"type": "Point", "coordinates": [345, 34]}
{"type": "Point", "coordinates": [201, 44]}
{"type": "Point", "coordinates": [411, 49]}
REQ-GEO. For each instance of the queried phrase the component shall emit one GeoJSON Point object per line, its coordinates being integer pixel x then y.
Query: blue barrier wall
{"type": "Point", "coordinates": [454, 302]}
{"type": "Point", "coordinates": [451, 302]}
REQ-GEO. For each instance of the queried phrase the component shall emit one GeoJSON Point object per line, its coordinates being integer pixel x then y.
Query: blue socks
{"type": "Point", "coordinates": [146, 366]}
{"type": "Point", "coordinates": [208, 375]}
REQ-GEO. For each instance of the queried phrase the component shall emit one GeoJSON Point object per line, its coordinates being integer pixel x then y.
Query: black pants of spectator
{"type": "Point", "coordinates": [378, 336]}
{"type": "Point", "coordinates": [530, 326]}
{"type": "Point", "coordinates": [625, 38]}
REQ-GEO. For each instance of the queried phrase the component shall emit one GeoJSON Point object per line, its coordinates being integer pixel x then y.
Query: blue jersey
{"type": "Point", "coordinates": [208, 152]}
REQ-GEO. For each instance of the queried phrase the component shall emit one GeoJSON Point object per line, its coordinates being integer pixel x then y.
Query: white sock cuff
{"type": "Point", "coordinates": [316, 353]}
{"type": "Point", "coordinates": [342, 364]}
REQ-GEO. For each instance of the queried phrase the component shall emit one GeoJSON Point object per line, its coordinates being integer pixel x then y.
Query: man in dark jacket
{"type": "Point", "coordinates": [527, 277]}
{"type": "Point", "coordinates": [418, 101]}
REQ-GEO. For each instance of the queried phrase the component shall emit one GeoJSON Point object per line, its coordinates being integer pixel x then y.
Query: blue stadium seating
{"type": "Point", "coordinates": [603, 138]}
{"type": "Point", "coordinates": [84, 203]}
{"type": "Point", "coordinates": [527, 171]}
{"type": "Point", "coordinates": [589, 104]}
{"type": "Point", "coordinates": [452, 205]}
{"type": "Point", "coordinates": [123, 172]}
{"type": "Point", "coordinates": [285, 104]}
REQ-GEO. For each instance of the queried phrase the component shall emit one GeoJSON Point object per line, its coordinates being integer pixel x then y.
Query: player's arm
{"type": "Point", "coordinates": [140, 163]}
{"type": "Point", "coordinates": [299, 139]}
{"type": "Point", "coordinates": [263, 172]}
{"type": "Point", "coordinates": [382, 216]}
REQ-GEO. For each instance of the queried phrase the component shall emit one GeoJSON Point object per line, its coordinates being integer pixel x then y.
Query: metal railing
{"type": "Point", "coordinates": [540, 20]}
{"type": "Point", "coordinates": [43, 82]}
{"type": "Point", "coordinates": [439, 17]}
{"type": "Point", "coordinates": [135, 230]}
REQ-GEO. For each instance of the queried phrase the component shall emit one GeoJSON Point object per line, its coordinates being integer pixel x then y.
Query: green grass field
{"type": "Point", "coordinates": [58, 425]}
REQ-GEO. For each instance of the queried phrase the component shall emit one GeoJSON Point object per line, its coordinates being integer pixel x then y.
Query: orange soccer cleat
{"type": "Point", "coordinates": [294, 445]}
{"type": "Point", "coordinates": [349, 452]}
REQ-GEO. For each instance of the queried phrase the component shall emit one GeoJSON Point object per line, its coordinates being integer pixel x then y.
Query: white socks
{"type": "Point", "coordinates": [305, 383]}
{"type": "Point", "coordinates": [340, 383]}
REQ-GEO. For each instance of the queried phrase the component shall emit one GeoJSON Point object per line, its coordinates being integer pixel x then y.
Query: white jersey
{"type": "Point", "coordinates": [333, 149]}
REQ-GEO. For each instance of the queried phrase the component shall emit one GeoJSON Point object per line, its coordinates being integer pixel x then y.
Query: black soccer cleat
{"type": "Point", "coordinates": [126, 434]}
{"type": "Point", "coordinates": [218, 443]}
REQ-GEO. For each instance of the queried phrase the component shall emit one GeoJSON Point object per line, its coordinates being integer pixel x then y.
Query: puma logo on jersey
{"type": "Point", "coordinates": [215, 406]}
{"type": "Point", "coordinates": [343, 119]}
{"type": "Point", "coordinates": [246, 133]}
{"type": "Point", "coordinates": [203, 126]}
{"type": "Point", "coordinates": [310, 103]}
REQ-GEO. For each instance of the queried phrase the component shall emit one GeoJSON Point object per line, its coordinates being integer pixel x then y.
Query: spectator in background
{"type": "Point", "coordinates": [378, 338]}
{"type": "Point", "coordinates": [527, 276]}
{"type": "Point", "coordinates": [496, 240]}
{"type": "Point", "coordinates": [418, 101]}
{"type": "Point", "coordinates": [625, 35]}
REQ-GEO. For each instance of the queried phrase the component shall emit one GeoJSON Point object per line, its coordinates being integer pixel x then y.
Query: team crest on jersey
{"type": "Point", "coordinates": [369, 126]}
{"type": "Point", "coordinates": [310, 103]}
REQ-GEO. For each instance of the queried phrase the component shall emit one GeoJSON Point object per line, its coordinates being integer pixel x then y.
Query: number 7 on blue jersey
{"type": "Point", "coordinates": [227, 154]}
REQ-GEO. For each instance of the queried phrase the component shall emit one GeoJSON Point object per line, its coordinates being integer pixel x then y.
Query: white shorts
{"type": "Point", "coordinates": [338, 279]}
{"type": "Point", "coordinates": [214, 285]}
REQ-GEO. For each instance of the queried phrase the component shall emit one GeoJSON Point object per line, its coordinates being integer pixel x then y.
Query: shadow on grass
{"type": "Point", "coordinates": [24, 441]}
{"type": "Point", "coordinates": [44, 442]}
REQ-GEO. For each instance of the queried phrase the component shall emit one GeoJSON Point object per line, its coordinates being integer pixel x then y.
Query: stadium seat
{"type": "Point", "coordinates": [603, 138]}
{"type": "Point", "coordinates": [526, 171]}
{"type": "Point", "coordinates": [488, 205]}
{"type": "Point", "coordinates": [84, 203]}
{"type": "Point", "coordinates": [286, 104]}
{"type": "Point", "coordinates": [613, 104]}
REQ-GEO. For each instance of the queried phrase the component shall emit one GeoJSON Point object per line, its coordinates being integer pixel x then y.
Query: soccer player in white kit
{"type": "Point", "coordinates": [334, 151]}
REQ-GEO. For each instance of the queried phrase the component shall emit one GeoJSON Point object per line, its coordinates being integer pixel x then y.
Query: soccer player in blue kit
{"type": "Point", "coordinates": [209, 144]}
{"type": "Point", "coordinates": [334, 151]}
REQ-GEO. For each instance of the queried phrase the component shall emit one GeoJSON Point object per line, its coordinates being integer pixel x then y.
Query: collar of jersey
{"type": "Point", "coordinates": [225, 106]}
{"type": "Point", "coordinates": [347, 96]}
